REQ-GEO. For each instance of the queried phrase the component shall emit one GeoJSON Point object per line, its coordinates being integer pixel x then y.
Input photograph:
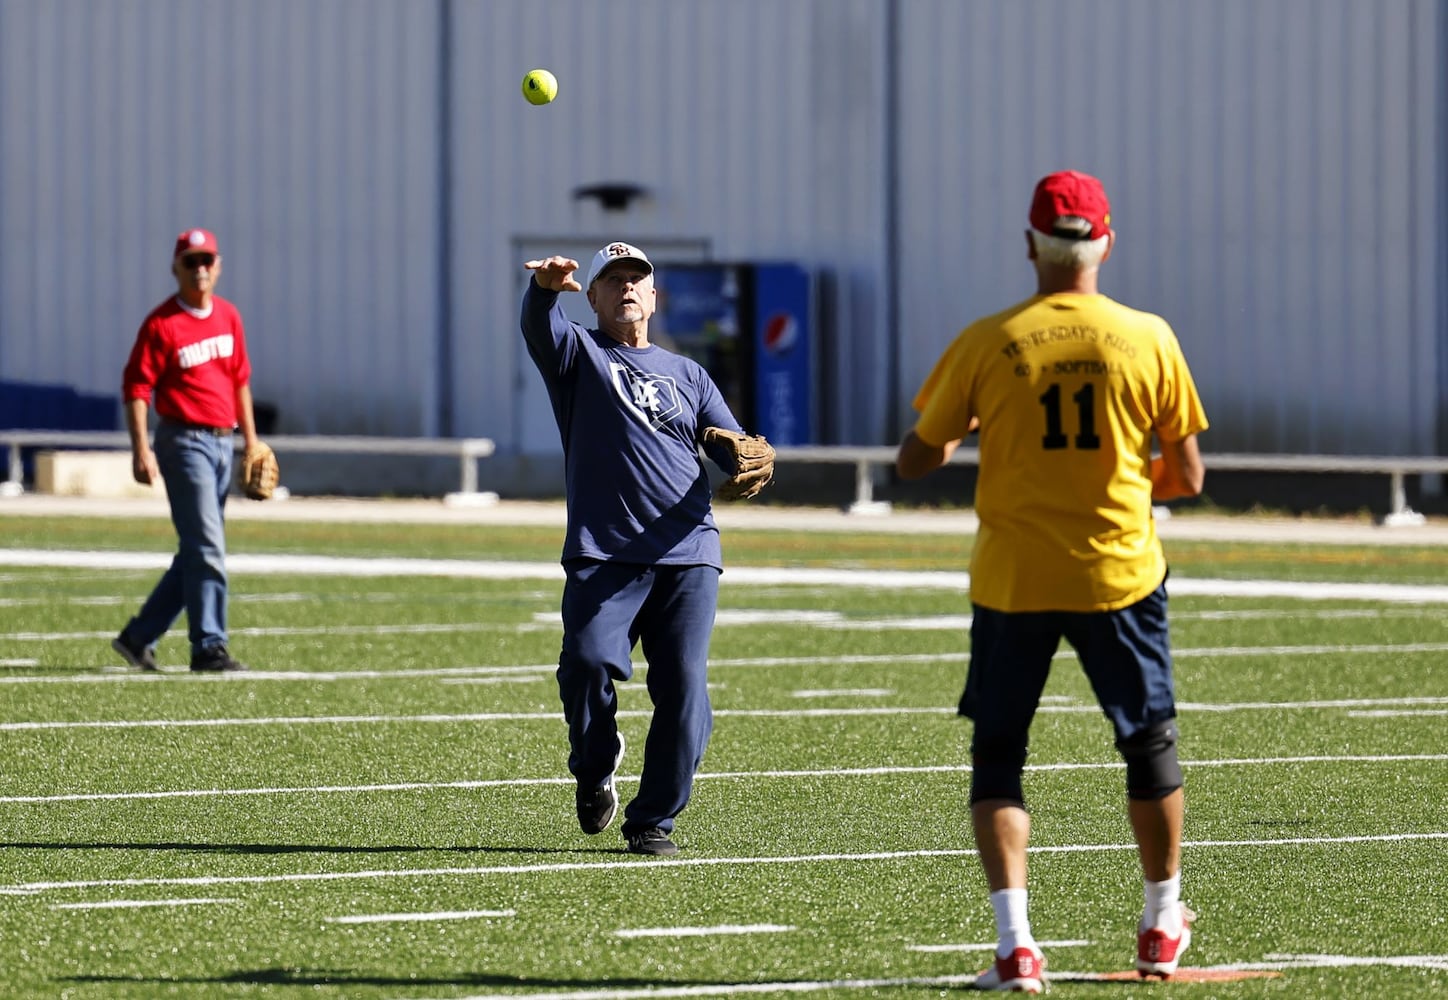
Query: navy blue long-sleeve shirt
{"type": "Point", "coordinates": [630, 419]}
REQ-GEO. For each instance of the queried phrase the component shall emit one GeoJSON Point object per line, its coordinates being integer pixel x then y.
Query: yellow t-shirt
{"type": "Point", "coordinates": [1069, 389]}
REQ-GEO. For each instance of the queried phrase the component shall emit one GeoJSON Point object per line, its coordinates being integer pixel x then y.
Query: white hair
{"type": "Point", "coordinates": [1080, 255]}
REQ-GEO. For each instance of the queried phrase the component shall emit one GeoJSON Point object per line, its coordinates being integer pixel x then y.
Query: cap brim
{"type": "Point", "coordinates": [648, 267]}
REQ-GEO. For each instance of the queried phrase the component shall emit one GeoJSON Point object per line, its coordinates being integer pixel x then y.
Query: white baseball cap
{"type": "Point", "coordinates": [612, 253]}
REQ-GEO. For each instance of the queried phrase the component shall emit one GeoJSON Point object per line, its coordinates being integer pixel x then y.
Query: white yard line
{"type": "Point", "coordinates": [843, 693]}
{"type": "Point", "coordinates": [846, 772]}
{"type": "Point", "coordinates": [740, 713]}
{"type": "Point", "coordinates": [723, 929]}
{"type": "Point", "coordinates": [137, 904]}
{"type": "Point", "coordinates": [535, 678]}
{"type": "Point", "coordinates": [394, 918]}
{"type": "Point", "coordinates": [119, 674]}
{"type": "Point", "coordinates": [1288, 961]}
{"type": "Point", "coordinates": [372, 597]}
{"type": "Point", "coordinates": [990, 946]}
{"type": "Point", "coordinates": [1279, 614]}
{"type": "Point", "coordinates": [659, 864]}
{"type": "Point", "coordinates": [404, 673]}
{"type": "Point", "coordinates": [1323, 650]}
{"type": "Point", "coordinates": [242, 564]}
{"type": "Point", "coordinates": [419, 628]}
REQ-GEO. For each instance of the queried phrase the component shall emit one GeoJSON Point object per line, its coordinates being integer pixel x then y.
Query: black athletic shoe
{"type": "Point", "coordinates": [598, 804]}
{"type": "Point", "coordinates": [652, 841]}
{"type": "Point", "coordinates": [215, 660]}
{"type": "Point", "coordinates": [133, 652]}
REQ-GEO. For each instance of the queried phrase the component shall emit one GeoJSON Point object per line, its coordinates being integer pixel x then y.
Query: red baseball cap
{"type": "Point", "coordinates": [1071, 205]}
{"type": "Point", "coordinates": [195, 241]}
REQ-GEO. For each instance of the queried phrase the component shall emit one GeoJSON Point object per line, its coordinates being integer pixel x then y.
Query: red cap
{"type": "Point", "coordinates": [1071, 205]}
{"type": "Point", "coordinates": [195, 240]}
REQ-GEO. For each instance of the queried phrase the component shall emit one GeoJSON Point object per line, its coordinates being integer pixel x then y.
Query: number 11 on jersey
{"type": "Point", "coordinates": [1055, 436]}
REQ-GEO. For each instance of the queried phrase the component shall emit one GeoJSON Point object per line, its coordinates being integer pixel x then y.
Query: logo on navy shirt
{"type": "Point", "coordinates": [654, 399]}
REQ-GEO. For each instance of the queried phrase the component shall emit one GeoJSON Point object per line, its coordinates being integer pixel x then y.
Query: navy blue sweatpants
{"type": "Point", "coordinates": [669, 612]}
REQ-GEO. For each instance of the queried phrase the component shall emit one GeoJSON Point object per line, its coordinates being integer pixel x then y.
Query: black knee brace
{"type": "Point", "coordinates": [995, 771]}
{"type": "Point", "coordinates": [1152, 769]}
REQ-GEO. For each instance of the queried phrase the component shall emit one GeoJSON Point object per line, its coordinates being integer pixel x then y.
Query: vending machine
{"type": "Point", "coordinates": [752, 327]}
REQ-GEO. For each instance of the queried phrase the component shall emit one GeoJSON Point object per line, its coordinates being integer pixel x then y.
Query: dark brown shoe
{"type": "Point", "coordinates": [215, 660]}
{"type": "Point", "coordinates": [652, 841]}
{"type": "Point", "coordinates": [133, 652]}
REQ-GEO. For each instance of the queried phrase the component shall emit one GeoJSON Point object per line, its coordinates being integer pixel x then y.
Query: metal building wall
{"type": "Point", "coordinates": [753, 125]}
{"type": "Point", "coordinates": [301, 132]}
{"type": "Point", "coordinates": [1275, 172]}
{"type": "Point", "coordinates": [371, 217]}
{"type": "Point", "coordinates": [375, 175]}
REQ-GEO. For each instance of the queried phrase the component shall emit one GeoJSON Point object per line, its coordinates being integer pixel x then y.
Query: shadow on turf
{"type": "Point", "coordinates": [336, 977]}
{"type": "Point", "coordinates": [302, 848]}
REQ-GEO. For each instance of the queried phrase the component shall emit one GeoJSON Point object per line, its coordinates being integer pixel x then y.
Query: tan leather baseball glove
{"type": "Point", "coordinates": [751, 457]}
{"type": "Point", "coordinates": [259, 473]}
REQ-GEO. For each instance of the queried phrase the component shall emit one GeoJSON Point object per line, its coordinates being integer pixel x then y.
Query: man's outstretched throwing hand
{"type": "Point", "coordinates": [555, 273]}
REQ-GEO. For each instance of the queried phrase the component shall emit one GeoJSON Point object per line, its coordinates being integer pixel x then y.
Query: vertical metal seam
{"type": "Point", "coordinates": [893, 85]}
{"type": "Point", "coordinates": [1440, 263]}
{"type": "Point", "coordinates": [443, 418]}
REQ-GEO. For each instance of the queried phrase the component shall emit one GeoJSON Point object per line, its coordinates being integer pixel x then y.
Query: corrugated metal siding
{"type": "Point", "coordinates": [1272, 167]}
{"type": "Point", "coordinates": [753, 125]}
{"type": "Point", "coordinates": [302, 133]}
{"type": "Point", "coordinates": [1275, 169]}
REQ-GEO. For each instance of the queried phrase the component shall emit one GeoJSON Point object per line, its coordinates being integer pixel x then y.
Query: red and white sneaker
{"type": "Point", "coordinates": [1157, 954]}
{"type": "Point", "coordinates": [1020, 972]}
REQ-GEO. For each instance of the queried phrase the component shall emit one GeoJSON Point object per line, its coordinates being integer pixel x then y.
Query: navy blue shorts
{"type": "Point", "coordinates": [1126, 655]}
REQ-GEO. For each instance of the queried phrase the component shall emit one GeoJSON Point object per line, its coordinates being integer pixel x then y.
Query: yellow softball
{"type": "Point", "coordinates": [540, 86]}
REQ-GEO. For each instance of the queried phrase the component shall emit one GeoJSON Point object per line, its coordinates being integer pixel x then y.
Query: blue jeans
{"type": "Point", "coordinates": [669, 610]}
{"type": "Point", "coordinates": [196, 466]}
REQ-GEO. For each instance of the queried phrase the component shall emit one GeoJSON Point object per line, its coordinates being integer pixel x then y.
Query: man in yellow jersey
{"type": "Point", "coordinates": [1068, 390]}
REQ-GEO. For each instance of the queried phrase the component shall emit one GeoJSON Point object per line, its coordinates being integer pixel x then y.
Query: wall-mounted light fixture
{"type": "Point", "coordinates": [613, 195]}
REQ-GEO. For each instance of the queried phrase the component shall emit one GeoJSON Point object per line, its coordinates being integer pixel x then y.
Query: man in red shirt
{"type": "Point", "coordinates": [190, 364]}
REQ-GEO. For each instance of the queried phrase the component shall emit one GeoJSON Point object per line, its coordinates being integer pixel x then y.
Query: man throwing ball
{"type": "Point", "coordinates": [641, 552]}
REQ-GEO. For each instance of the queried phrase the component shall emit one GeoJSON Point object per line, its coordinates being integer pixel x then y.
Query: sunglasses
{"type": "Point", "coordinates": [194, 260]}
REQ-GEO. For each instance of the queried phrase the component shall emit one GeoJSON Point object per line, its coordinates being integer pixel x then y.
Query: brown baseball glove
{"type": "Point", "coordinates": [751, 457]}
{"type": "Point", "coordinates": [259, 473]}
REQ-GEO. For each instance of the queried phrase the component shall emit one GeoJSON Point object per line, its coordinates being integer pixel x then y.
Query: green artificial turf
{"type": "Point", "coordinates": [382, 808]}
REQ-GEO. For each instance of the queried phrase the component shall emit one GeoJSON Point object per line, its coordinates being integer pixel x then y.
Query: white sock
{"type": "Point", "coordinates": [1163, 905]}
{"type": "Point", "coordinates": [1013, 928]}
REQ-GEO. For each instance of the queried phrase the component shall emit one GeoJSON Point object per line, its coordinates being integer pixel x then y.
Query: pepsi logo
{"type": "Point", "coordinates": [781, 332]}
